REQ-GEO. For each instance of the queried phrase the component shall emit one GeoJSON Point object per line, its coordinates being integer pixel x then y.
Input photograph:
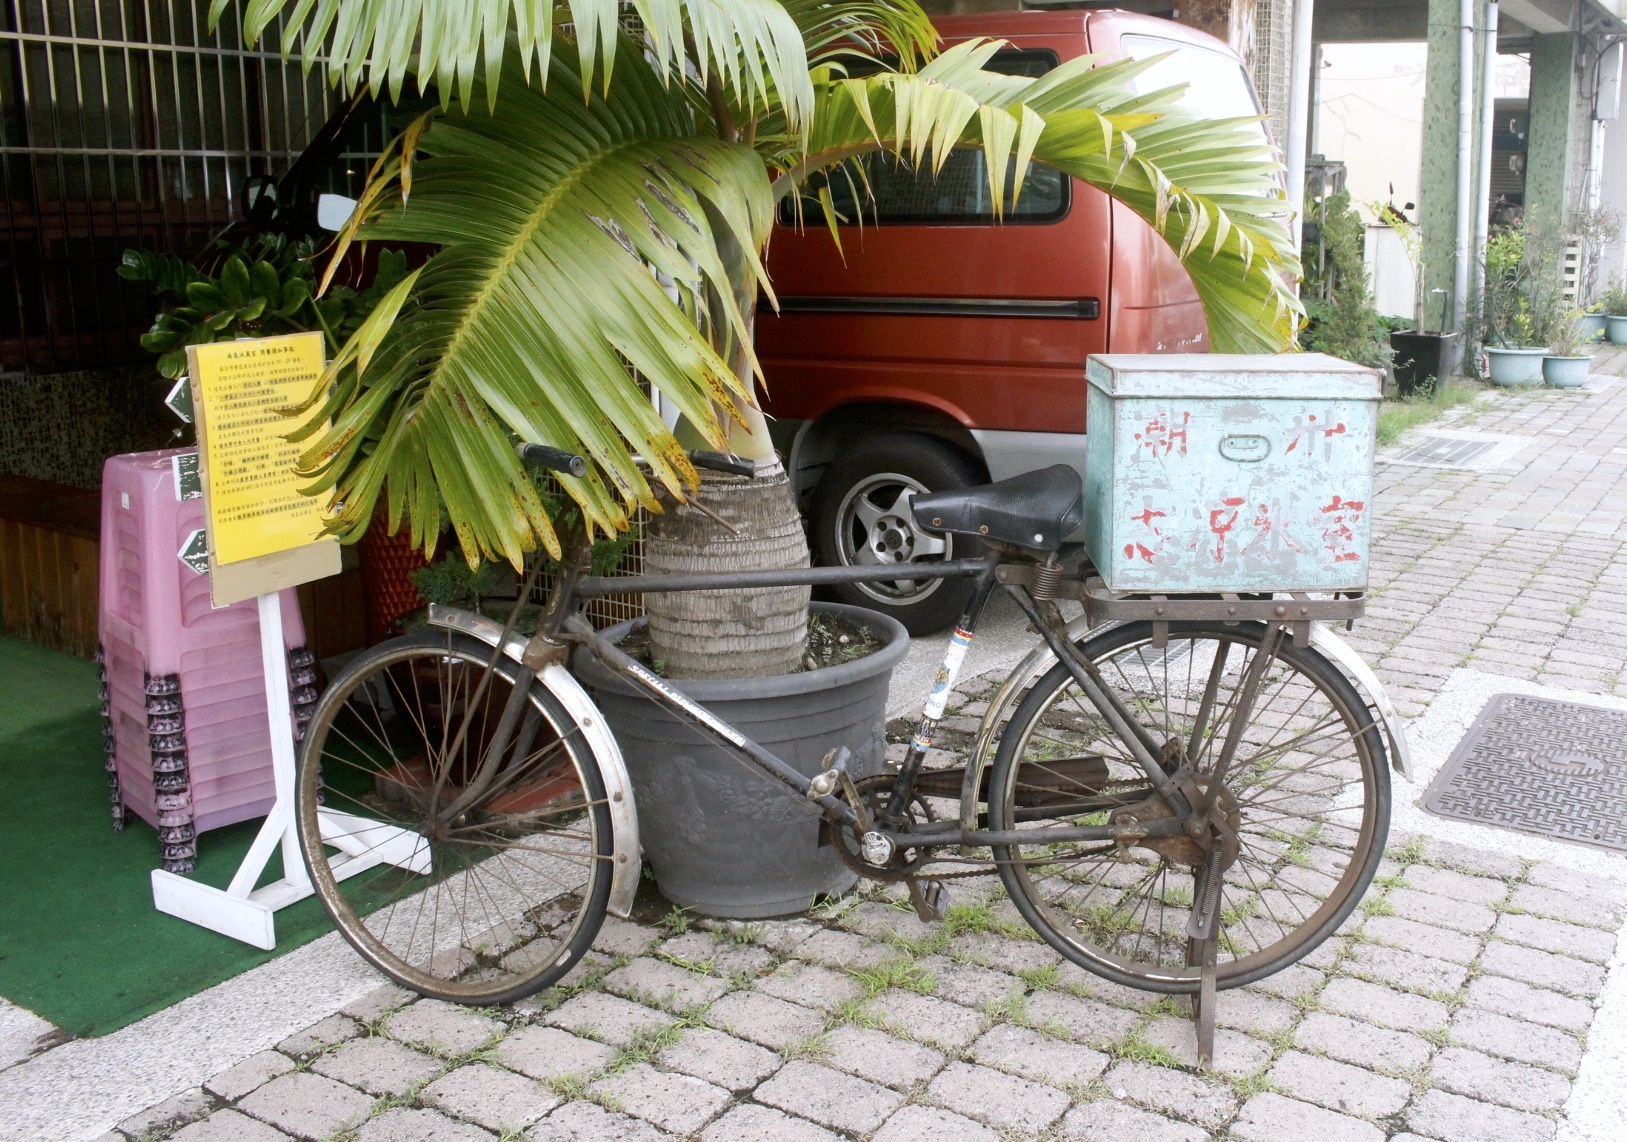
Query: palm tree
{"type": "Point", "coordinates": [600, 216]}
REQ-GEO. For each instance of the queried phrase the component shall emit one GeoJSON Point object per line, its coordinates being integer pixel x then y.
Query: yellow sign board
{"type": "Point", "coordinates": [255, 505]}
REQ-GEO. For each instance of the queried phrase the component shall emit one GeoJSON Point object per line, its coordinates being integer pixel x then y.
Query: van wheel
{"type": "Point", "coordinates": [861, 517]}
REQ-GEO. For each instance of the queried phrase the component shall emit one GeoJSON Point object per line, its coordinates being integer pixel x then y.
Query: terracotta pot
{"type": "Point", "coordinates": [387, 563]}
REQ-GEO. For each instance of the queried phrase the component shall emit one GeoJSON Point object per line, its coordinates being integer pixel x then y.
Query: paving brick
{"type": "Point", "coordinates": [1573, 883]}
{"type": "Point", "coordinates": [997, 1099]}
{"type": "Point", "coordinates": [1108, 1120]}
{"type": "Point", "coordinates": [1172, 1092]}
{"type": "Point", "coordinates": [1362, 1043]}
{"type": "Point", "coordinates": [1588, 911]}
{"type": "Point", "coordinates": [1235, 1054]}
{"type": "Point", "coordinates": [843, 950]}
{"type": "Point", "coordinates": [880, 1058]}
{"type": "Point", "coordinates": [378, 1066]}
{"type": "Point", "coordinates": [607, 1018]}
{"type": "Point", "coordinates": [677, 1103]}
{"type": "Point", "coordinates": [547, 1053]}
{"type": "Point", "coordinates": [400, 1124]}
{"type": "Point", "coordinates": [1491, 1080]}
{"type": "Point", "coordinates": [1534, 1004]}
{"type": "Point", "coordinates": [253, 1072]}
{"type": "Point", "coordinates": [183, 1107]}
{"type": "Point", "coordinates": [930, 1124]}
{"type": "Point", "coordinates": [1556, 936]}
{"type": "Point", "coordinates": [1516, 1039]}
{"type": "Point", "coordinates": [307, 1105]}
{"type": "Point", "coordinates": [991, 951]}
{"type": "Point", "coordinates": [618, 937]}
{"type": "Point", "coordinates": [320, 1035]}
{"type": "Point", "coordinates": [707, 952]}
{"type": "Point", "coordinates": [227, 1126]}
{"type": "Point", "coordinates": [1382, 1006]}
{"type": "Point", "coordinates": [665, 985]}
{"type": "Point", "coordinates": [377, 1003]}
{"type": "Point", "coordinates": [783, 935]}
{"type": "Point", "coordinates": [1544, 969]}
{"type": "Point", "coordinates": [495, 1098]}
{"type": "Point", "coordinates": [751, 1123]}
{"type": "Point", "coordinates": [1456, 885]}
{"type": "Point", "coordinates": [1413, 936]}
{"type": "Point", "coordinates": [1338, 1086]}
{"type": "Point", "coordinates": [887, 921]}
{"type": "Point", "coordinates": [764, 1020]}
{"type": "Point", "coordinates": [969, 984]}
{"type": "Point", "coordinates": [720, 1059]}
{"type": "Point", "coordinates": [1082, 1019]}
{"type": "Point", "coordinates": [811, 985]}
{"type": "Point", "coordinates": [1406, 969]}
{"type": "Point", "coordinates": [829, 1097]}
{"type": "Point", "coordinates": [930, 1020]}
{"type": "Point", "coordinates": [1453, 1118]}
{"type": "Point", "coordinates": [1273, 1118]}
{"type": "Point", "coordinates": [1441, 911]}
{"type": "Point", "coordinates": [586, 1122]}
{"type": "Point", "coordinates": [1038, 1057]}
{"type": "Point", "coordinates": [1291, 982]}
{"type": "Point", "coordinates": [1251, 1011]}
{"type": "Point", "coordinates": [444, 1028]}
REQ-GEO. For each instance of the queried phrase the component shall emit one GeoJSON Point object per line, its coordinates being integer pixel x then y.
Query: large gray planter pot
{"type": "Point", "coordinates": [1515, 368]}
{"type": "Point", "coordinates": [1593, 326]}
{"type": "Point", "coordinates": [1566, 372]}
{"type": "Point", "coordinates": [1616, 329]}
{"type": "Point", "coordinates": [722, 839]}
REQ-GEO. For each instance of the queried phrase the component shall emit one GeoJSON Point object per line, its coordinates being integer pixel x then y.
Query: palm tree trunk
{"type": "Point", "coordinates": [732, 634]}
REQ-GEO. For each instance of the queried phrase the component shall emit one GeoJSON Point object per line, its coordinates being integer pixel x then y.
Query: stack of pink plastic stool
{"type": "Point", "coordinates": [183, 688]}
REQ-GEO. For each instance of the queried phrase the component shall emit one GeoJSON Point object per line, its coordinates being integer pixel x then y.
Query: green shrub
{"type": "Point", "coordinates": [1344, 324]}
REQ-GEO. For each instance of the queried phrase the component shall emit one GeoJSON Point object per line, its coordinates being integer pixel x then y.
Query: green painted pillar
{"type": "Point", "coordinates": [1437, 201]}
{"type": "Point", "coordinates": [1548, 169]}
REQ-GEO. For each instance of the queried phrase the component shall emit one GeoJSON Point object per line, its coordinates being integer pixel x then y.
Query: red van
{"type": "Point", "coordinates": [937, 349]}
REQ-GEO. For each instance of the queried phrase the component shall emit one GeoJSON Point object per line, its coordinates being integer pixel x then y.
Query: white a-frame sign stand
{"type": "Point", "coordinates": [237, 386]}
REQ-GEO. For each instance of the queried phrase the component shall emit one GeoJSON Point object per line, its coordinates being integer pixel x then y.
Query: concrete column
{"type": "Point", "coordinates": [1549, 174]}
{"type": "Point", "coordinates": [1437, 202]}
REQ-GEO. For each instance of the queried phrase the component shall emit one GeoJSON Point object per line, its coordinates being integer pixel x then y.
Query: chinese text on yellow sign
{"type": "Point", "coordinates": [255, 505]}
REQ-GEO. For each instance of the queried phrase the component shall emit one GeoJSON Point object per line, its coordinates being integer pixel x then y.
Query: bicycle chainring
{"type": "Point", "coordinates": [875, 792]}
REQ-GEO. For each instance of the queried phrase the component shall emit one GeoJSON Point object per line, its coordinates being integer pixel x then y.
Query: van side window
{"type": "Point", "coordinates": [888, 189]}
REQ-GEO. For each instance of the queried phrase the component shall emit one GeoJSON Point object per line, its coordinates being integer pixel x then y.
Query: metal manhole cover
{"type": "Point", "coordinates": [1540, 766]}
{"type": "Point", "coordinates": [1461, 448]}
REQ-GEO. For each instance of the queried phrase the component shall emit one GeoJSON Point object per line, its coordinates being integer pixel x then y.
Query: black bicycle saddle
{"type": "Point", "coordinates": [1033, 510]}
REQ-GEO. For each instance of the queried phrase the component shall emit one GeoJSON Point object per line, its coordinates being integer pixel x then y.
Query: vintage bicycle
{"type": "Point", "coordinates": [1180, 794]}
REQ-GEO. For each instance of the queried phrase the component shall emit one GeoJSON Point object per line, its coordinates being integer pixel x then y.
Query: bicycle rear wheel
{"type": "Point", "coordinates": [470, 887]}
{"type": "Point", "coordinates": [1307, 791]}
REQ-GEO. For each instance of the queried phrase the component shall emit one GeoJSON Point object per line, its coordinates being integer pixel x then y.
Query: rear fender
{"type": "Point", "coordinates": [568, 692]}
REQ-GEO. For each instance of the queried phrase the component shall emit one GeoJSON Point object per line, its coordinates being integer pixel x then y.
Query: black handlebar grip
{"type": "Point", "coordinates": [554, 459]}
{"type": "Point", "coordinates": [718, 462]}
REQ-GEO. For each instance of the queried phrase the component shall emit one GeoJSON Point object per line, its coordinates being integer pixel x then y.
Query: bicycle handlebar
{"type": "Point", "coordinates": [554, 459]}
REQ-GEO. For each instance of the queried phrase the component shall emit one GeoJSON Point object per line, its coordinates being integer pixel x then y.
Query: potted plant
{"type": "Point", "coordinates": [1565, 366]}
{"type": "Point", "coordinates": [1343, 322]}
{"type": "Point", "coordinates": [1516, 304]}
{"type": "Point", "coordinates": [1613, 303]}
{"type": "Point", "coordinates": [1419, 356]}
{"type": "Point", "coordinates": [1595, 229]}
{"type": "Point", "coordinates": [599, 234]}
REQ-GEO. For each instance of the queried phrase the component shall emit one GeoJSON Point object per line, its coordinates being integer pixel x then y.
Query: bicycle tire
{"type": "Point", "coordinates": [497, 943]}
{"type": "Point", "coordinates": [1096, 941]}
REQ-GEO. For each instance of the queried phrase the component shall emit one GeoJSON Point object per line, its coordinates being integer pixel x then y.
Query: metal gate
{"type": "Point", "coordinates": [125, 123]}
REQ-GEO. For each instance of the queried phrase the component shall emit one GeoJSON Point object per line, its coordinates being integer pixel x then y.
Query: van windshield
{"type": "Point", "coordinates": [1217, 85]}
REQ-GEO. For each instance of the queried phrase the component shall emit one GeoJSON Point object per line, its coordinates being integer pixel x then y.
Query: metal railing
{"type": "Point", "coordinates": [125, 123]}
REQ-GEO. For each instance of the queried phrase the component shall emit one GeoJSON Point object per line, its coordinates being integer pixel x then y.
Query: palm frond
{"type": "Point", "coordinates": [579, 239]}
{"type": "Point", "coordinates": [753, 46]}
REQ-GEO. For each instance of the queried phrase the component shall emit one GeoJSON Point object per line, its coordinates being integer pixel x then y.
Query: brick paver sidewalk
{"type": "Point", "coordinates": [1455, 1006]}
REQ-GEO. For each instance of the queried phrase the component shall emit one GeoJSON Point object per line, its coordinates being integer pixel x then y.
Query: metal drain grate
{"type": "Point", "coordinates": [1554, 768]}
{"type": "Point", "coordinates": [1443, 452]}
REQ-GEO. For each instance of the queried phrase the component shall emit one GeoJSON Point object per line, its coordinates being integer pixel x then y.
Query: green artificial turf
{"type": "Point", "coordinates": [80, 941]}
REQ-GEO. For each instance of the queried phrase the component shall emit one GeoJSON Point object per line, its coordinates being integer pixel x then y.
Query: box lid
{"type": "Point", "coordinates": [1258, 376]}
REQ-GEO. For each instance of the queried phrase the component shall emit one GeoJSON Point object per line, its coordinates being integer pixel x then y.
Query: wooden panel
{"type": "Point", "coordinates": [48, 587]}
{"type": "Point", "coordinates": [334, 611]}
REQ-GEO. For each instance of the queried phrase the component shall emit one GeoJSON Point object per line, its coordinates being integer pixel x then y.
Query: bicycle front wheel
{"type": "Point", "coordinates": [464, 878]}
{"type": "Point", "coordinates": [1307, 792]}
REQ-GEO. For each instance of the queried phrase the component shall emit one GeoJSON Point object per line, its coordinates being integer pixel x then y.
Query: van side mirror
{"type": "Point", "coordinates": [258, 199]}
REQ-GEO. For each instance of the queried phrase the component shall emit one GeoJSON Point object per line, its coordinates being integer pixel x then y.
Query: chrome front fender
{"type": "Point", "coordinates": [1040, 659]}
{"type": "Point", "coordinates": [568, 692]}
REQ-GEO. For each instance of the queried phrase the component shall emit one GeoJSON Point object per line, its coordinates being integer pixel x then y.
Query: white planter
{"type": "Point", "coordinates": [1565, 372]}
{"type": "Point", "coordinates": [1516, 368]}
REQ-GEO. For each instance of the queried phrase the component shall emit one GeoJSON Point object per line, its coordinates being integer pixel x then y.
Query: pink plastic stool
{"type": "Point", "coordinates": [183, 692]}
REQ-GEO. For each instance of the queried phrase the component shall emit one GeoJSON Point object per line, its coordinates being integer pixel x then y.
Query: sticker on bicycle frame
{"type": "Point", "coordinates": [959, 643]}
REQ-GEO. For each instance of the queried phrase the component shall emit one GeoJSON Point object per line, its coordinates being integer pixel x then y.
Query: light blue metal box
{"type": "Point", "coordinates": [1213, 472]}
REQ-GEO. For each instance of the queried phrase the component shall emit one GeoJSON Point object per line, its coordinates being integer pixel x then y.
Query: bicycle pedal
{"type": "Point", "coordinates": [931, 899]}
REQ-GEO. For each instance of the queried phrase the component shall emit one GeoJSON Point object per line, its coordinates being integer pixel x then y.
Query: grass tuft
{"type": "Point", "coordinates": [1397, 416]}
